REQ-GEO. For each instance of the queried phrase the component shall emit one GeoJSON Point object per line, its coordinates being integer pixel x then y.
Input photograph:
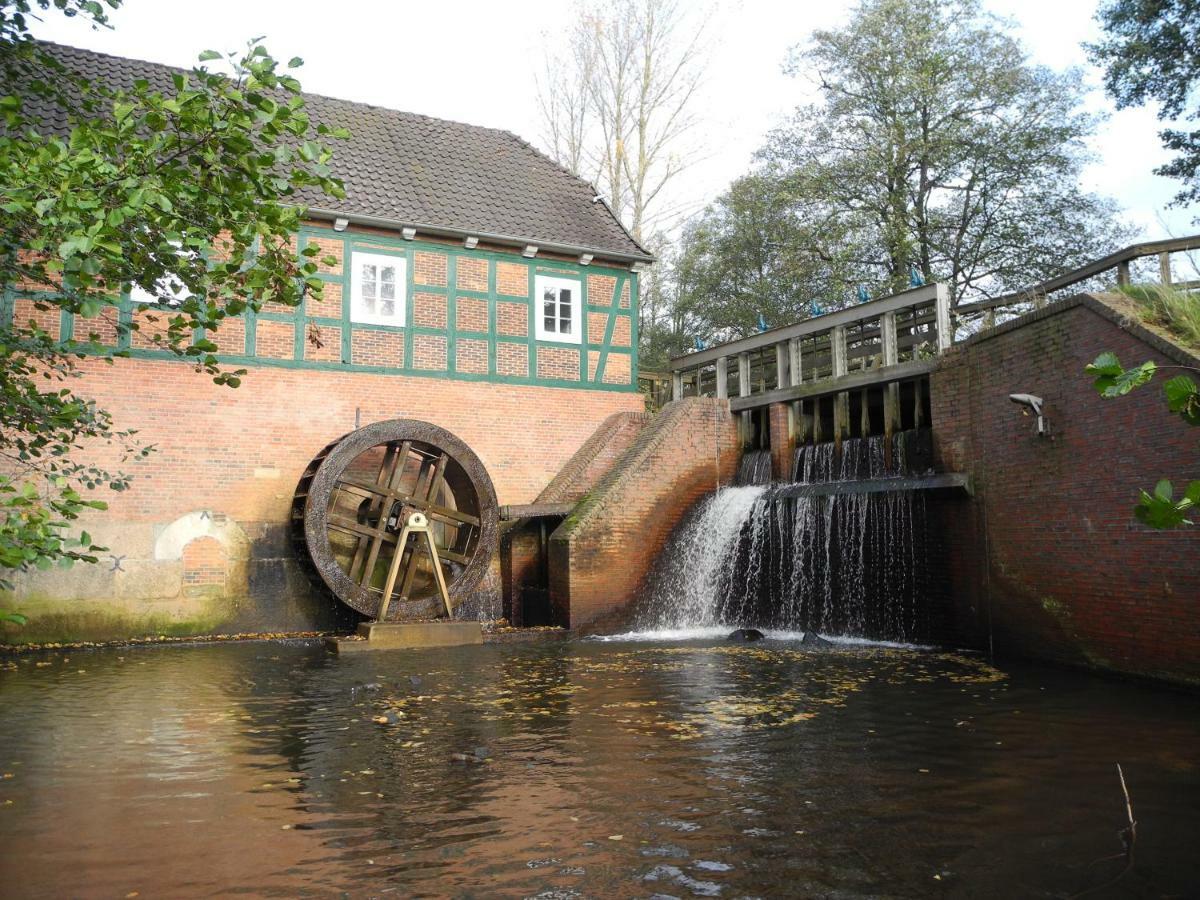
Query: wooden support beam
{"type": "Point", "coordinates": [781, 365]}
{"type": "Point", "coordinates": [1164, 268]}
{"type": "Point", "coordinates": [676, 385]}
{"type": "Point", "coordinates": [918, 403]}
{"type": "Point", "coordinates": [823, 388]}
{"type": "Point", "coordinates": [945, 333]}
{"type": "Point", "coordinates": [744, 391]}
{"type": "Point", "coordinates": [1123, 272]}
{"type": "Point", "coordinates": [723, 378]}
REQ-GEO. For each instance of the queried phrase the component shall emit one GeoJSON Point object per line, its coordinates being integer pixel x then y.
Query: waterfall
{"type": "Point", "coordinates": [843, 564]}
{"type": "Point", "coordinates": [755, 468]}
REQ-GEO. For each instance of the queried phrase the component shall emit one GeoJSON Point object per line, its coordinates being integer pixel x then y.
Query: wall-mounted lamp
{"type": "Point", "coordinates": [1033, 404]}
{"type": "Point", "coordinates": [530, 251]}
{"type": "Point", "coordinates": [471, 242]}
{"type": "Point", "coordinates": [585, 259]}
{"type": "Point", "coordinates": [408, 233]}
{"type": "Point", "coordinates": [340, 224]}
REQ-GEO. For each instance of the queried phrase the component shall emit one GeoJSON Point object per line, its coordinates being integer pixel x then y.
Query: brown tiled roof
{"type": "Point", "coordinates": [416, 170]}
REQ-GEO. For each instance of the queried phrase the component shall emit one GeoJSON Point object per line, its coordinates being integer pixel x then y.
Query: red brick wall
{"type": "Point", "coordinates": [1049, 548]}
{"type": "Point", "coordinates": [783, 440]}
{"type": "Point", "coordinates": [233, 456]}
{"type": "Point", "coordinates": [601, 553]}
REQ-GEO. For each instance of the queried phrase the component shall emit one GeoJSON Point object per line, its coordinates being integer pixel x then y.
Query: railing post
{"type": "Point", "coordinates": [744, 391]}
{"type": "Point", "coordinates": [891, 392]}
{"type": "Point", "coordinates": [841, 406]}
{"type": "Point", "coordinates": [796, 376]}
{"type": "Point", "coordinates": [797, 373]}
{"type": "Point", "coordinates": [781, 365]}
{"type": "Point", "coordinates": [723, 378]}
{"type": "Point", "coordinates": [1164, 268]}
{"type": "Point", "coordinates": [676, 385]}
{"type": "Point", "coordinates": [944, 331]}
{"type": "Point", "coordinates": [1123, 273]}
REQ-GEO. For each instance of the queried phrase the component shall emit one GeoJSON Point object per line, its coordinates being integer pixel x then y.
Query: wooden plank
{"type": "Point", "coordinates": [861, 312]}
{"type": "Point", "coordinates": [723, 378]}
{"type": "Point", "coordinates": [1119, 260]}
{"type": "Point", "coordinates": [535, 510]}
{"type": "Point", "coordinates": [824, 388]}
{"type": "Point", "coordinates": [947, 481]}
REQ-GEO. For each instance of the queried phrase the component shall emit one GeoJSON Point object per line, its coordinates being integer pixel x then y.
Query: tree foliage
{"type": "Point", "coordinates": [1151, 52]}
{"type": "Point", "coordinates": [934, 144]}
{"type": "Point", "coordinates": [1157, 508]}
{"type": "Point", "coordinates": [181, 191]}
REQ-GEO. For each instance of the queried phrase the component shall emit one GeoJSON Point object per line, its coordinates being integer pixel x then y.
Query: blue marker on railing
{"type": "Point", "coordinates": [915, 278]}
{"type": "Point", "coordinates": [816, 309]}
{"type": "Point", "coordinates": [762, 322]}
{"type": "Point", "coordinates": [863, 294]}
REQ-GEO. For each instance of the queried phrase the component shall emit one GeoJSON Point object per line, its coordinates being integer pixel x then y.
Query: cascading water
{"type": "Point", "coordinates": [755, 468]}
{"type": "Point", "coordinates": [844, 564]}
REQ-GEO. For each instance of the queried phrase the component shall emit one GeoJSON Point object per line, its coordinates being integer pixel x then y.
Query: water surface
{"type": "Point", "coordinates": [586, 769]}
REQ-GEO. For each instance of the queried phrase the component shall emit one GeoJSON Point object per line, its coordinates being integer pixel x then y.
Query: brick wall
{"type": "Point", "coordinates": [226, 465]}
{"type": "Point", "coordinates": [1049, 549]}
{"type": "Point", "coordinates": [601, 553]}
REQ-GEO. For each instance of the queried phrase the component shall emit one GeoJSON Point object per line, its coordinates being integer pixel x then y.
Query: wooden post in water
{"type": "Point", "coordinates": [723, 378]}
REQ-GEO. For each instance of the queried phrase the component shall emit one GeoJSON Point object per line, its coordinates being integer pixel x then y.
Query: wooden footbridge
{"type": "Point", "coordinates": [864, 369]}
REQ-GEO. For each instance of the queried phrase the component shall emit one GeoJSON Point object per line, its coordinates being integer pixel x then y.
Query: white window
{"type": "Point", "coordinates": [558, 309]}
{"type": "Point", "coordinates": [377, 283]}
{"type": "Point", "coordinates": [168, 290]}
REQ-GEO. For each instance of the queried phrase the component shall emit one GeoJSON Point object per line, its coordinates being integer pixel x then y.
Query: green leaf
{"type": "Point", "coordinates": [295, 62]}
{"type": "Point", "coordinates": [1114, 381]}
{"type": "Point", "coordinates": [208, 55]}
{"type": "Point", "coordinates": [1183, 398]}
{"type": "Point", "coordinates": [1163, 490]}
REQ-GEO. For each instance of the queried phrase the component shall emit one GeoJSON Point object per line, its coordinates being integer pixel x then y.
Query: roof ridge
{"type": "Point", "coordinates": [306, 94]}
{"type": "Point", "coordinates": [444, 172]}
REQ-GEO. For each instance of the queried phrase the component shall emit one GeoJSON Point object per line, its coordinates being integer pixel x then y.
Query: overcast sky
{"type": "Point", "coordinates": [474, 61]}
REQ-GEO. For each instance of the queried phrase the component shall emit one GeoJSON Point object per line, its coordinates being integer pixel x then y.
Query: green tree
{"type": "Point", "coordinates": [934, 143]}
{"type": "Point", "coordinates": [1151, 52]}
{"type": "Point", "coordinates": [183, 191]}
{"type": "Point", "coordinates": [1159, 508]}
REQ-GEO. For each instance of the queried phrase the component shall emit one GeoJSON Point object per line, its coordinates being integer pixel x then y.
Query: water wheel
{"type": "Point", "coordinates": [356, 495]}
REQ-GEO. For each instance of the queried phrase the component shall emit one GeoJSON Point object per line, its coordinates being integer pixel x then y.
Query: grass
{"type": "Point", "coordinates": [1175, 310]}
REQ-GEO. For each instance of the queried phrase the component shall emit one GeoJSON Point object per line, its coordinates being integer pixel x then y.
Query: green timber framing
{"type": "Point", "coordinates": [373, 240]}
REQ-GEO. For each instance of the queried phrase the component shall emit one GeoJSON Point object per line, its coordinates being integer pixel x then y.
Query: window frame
{"type": "Point", "coordinates": [358, 313]}
{"type": "Point", "coordinates": [139, 296]}
{"type": "Point", "coordinates": [540, 284]}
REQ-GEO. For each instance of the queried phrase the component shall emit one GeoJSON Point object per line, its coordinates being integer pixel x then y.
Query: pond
{"type": "Point", "coordinates": [587, 769]}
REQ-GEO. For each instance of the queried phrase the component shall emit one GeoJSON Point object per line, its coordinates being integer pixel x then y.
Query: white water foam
{"type": "Point", "coordinates": [721, 632]}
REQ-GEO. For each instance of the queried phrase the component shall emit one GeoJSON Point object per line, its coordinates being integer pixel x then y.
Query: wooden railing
{"type": "Point", "coordinates": [883, 341]}
{"type": "Point", "coordinates": [1039, 294]}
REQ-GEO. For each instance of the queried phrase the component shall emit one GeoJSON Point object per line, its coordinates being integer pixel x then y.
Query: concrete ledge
{"type": "Point", "coordinates": [408, 636]}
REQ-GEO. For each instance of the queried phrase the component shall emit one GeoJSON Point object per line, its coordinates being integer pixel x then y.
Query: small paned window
{"type": "Point", "coordinates": [558, 309]}
{"type": "Point", "coordinates": [168, 290]}
{"type": "Point", "coordinates": [377, 286]}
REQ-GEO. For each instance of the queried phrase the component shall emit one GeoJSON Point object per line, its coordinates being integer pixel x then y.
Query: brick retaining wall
{"type": "Point", "coordinates": [1049, 548]}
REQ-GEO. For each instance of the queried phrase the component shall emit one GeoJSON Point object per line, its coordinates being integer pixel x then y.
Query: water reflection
{"type": "Point", "coordinates": [601, 769]}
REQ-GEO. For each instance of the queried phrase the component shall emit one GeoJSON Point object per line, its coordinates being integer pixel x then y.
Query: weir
{"type": "Point", "coordinates": [840, 550]}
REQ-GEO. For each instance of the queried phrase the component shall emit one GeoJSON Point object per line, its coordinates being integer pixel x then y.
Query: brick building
{"type": "Point", "coordinates": [447, 234]}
